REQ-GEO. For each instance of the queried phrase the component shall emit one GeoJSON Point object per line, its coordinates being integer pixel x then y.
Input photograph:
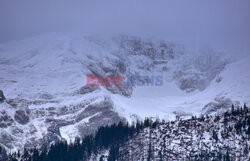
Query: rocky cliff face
{"type": "Point", "coordinates": [23, 126]}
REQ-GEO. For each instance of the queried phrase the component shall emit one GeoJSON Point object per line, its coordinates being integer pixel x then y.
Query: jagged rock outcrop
{"type": "Point", "coordinates": [21, 117]}
{"type": "Point", "coordinates": [5, 119]}
{"type": "Point", "coordinates": [219, 104]}
{"type": "Point", "coordinates": [87, 89]}
{"type": "Point", "coordinates": [2, 97]}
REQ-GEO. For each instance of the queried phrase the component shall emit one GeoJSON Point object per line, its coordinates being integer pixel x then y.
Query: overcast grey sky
{"type": "Point", "coordinates": [223, 23]}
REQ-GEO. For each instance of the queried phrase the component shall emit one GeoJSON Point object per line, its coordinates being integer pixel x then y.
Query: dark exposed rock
{"type": "Point", "coordinates": [18, 103]}
{"type": "Point", "coordinates": [2, 97]}
{"type": "Point", "coordinates": [191, 82]}
{"type": "Point", "coordinates": [122, 90]}
{"type": "Point", "coordinates": [56, 124]}
{"type": "Point", "coordinates": [16, 130]}
{"type": "Point", "coordinates": [54, 129]}
{"type": "Point", "coordinates": [87, 89]}
{"type": "Point", "coordinates": [5, 120]}
{"type": "Point", "coordinates": [46, 96]}
{"type": "Point", "coordinates": [119, 68]}
{"type": "Point", "coordinates": [98, 115]}
{"type": "Point", "coordinates": [93, 109]}
{"type": "Point", "coordinates": [50, 137]}
{"type": "Point", "coordinates": [21, 117]}
{"type": "Point", "coordinates": [6, 139]}
{"type": "Point", "coordinates": [218, 79]}
{"type": "Point", "coordinates": [106, 118]}
{"type": "Point", "coordinates": [42, 142]}
{"type": "Point", "coordinates": [219, 103]}
{"type": "Point", "coordinates": [3, 125]}
{"type": "Point", "coordinates": [32, 129]}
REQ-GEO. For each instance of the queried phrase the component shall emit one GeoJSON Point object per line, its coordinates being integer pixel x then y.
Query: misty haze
{"type": "Point", "coordinates": [124, 80]}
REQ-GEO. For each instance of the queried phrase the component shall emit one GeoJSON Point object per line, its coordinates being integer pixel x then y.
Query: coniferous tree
{"type": "Point", "coordinates": [149, 152]}
{"type": "Point", "coordinates": [227, 157]}
{"type": "Point", "coordinates": [101, 158]}
{"type": "Point", "coordinates": [160, 156]}
{"type": "Point", "coordinates": [113, 153]}
{"type": "Point", "coordinates": [215, 136]}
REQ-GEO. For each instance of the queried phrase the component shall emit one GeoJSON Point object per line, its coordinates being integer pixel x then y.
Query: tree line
{"type": "Point", "coordinates": [112, 137]}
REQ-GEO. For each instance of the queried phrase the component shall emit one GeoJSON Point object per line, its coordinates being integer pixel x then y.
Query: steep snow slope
{"type": "Point", "coordinates": [44, 80]}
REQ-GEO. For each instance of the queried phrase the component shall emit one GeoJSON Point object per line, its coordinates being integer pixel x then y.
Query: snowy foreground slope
{"type": "Point", "coordinates": [44, 78]}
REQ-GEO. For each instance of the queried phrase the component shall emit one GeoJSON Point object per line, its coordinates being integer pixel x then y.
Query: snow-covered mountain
{"type": "Point", "coordinates": [44, 82]}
